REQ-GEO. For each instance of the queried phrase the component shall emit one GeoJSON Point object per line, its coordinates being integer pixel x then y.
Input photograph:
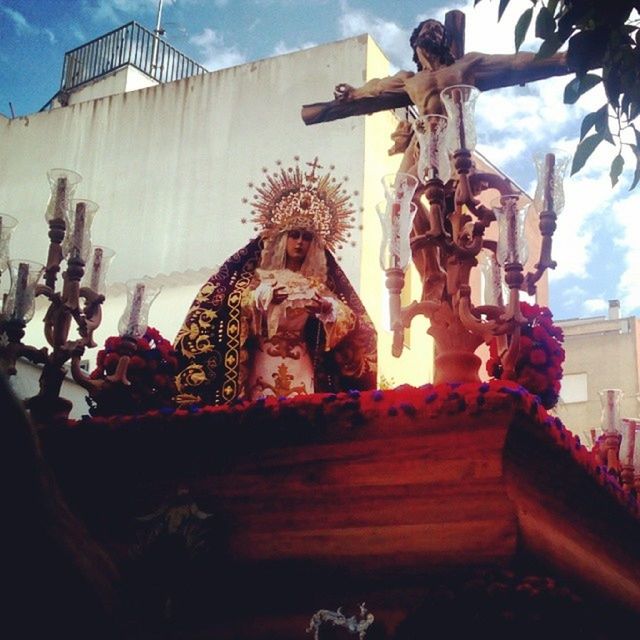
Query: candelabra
{"type": "Point", "coordinates": [445, 236]}
{"type": "Point", "coordinates": [618, 447]}
{"type": "Point", "coordinates": [115, 388]}
{"type": "Point", "coordinates": [78, 300]}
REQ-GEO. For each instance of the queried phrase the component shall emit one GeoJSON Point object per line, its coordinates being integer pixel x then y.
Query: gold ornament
{"type": "Point", "coordinates": [291, 198]}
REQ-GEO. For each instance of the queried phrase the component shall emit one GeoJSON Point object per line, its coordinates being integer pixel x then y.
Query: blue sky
{"type": "Point", "coordinates": [598, 239]}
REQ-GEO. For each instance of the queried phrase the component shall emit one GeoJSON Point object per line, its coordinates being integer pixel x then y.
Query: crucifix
{"type": "Point", "coordinates": [441, 61]}
{"type": "Point", "coordinates": [448, 234]}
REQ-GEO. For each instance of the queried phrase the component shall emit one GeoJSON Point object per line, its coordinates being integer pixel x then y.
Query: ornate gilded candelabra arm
{"type": "Point", "coordinates": [470, 317]}
{"type": "Point", "coordinates": [91, 314]}
{"type": "Point", "coordinates": [434, 192]}
{"type": "Point", "coordinates": [514, 279]}
{"type": "Point", "coordinates": [11, 347]}
{"type": "Point", "coordinates": [395, 283]}
{"type": "Point", "coordinates": [463, 165]}
{"type": "Point", "coordinates": [547, 229]}
{"type": "Point", "coordinates": [509, 354]}
{"type": "Point", "coordinates": [57, 228]}
{"type": "Point", "coordinates": [423, 308]}
{"type": "Point", "coordinates": [479, 181]}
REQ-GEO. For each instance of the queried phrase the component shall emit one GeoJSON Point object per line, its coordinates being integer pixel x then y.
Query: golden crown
{"type": "Point", "coordinates": [294, 198]}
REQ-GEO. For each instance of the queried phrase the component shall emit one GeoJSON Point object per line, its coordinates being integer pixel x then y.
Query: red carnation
{"type": "Point", "coordinates": [538, 356]}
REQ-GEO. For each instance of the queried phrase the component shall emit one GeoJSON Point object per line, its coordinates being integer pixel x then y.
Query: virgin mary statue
{"type": "Point", "coordinates": [280, 317]}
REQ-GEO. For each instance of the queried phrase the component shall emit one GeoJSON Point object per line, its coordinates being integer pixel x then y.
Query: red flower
{"type": "Point", "coordinates": [538, 356]}
{"type": "Point", "coordinates": [539, 364]}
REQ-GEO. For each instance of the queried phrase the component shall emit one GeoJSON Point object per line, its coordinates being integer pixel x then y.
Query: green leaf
{"type": "Point", "coordinates": [580, 85]}
{"type": "Point", "coordinates": [636, 175]}
{"type": "Point", "coordinates": [587, 123]}
{"type": "Point", "coordinates": [501, 7]}
{"type": "Point", "coordinates": [545, 24]}
{"type": "Point", "coordinates": [616, 169]}
{"type": "Point", "coordinates": [572, 91]}
{"type": "Point", "coordinates": [589, 81]}
{"type": "Point", "coordinates": [551, 6]}
{"type": "Point", "coordinates": [549, 46]}
{"type": "Point", "coordinates": [585, 148]}
{"type": "Point", "coordinates": [602, 124]}
{"type": "Point", "coordinates": [522, 26]}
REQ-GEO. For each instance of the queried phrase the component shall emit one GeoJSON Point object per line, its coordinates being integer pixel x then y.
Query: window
{"type": "Point", "coordinates": [574, 388]}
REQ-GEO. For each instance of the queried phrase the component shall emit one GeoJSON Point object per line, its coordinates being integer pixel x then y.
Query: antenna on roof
{"type": "Point", "coordinates": [158, 31]}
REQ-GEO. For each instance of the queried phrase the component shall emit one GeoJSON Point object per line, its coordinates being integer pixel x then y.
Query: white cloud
{"type": "Point", "coordinates": [19, 21]}
{"type": "Point", "coordinates": [215, 54]}
{"type": "Point", "coordinates": [24, 27]}
{"type": "Point", "coordinates": [595, 305]}
{"type": "Point", "coordinates": [393, 39]}
{"type": "Point", "coordinates": [624, 214]}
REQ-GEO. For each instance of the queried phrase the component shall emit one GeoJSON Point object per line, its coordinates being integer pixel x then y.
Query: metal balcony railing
{"type": "Point", "coordinates": [131, 44]}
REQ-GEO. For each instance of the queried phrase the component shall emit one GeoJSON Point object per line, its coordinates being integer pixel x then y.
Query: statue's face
{"type": "Point", "coordinates": [431, 32]}
{"type": "Point", "coordinates": [298, 242]}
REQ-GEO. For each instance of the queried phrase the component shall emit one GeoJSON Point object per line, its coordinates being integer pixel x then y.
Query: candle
{"type": "Point", "coordinates": [549, 168]}
{"type": "Point", "coordinates": [627, 444]}
{"type": "Point", "coordinates": [96, 268]}
{"type": "Point", "coordinates": [395, 235]}
{"type": "Point", "coordinates": [78, 230]}
{"type": "Point", "coordinates": [458, 99]}
{"type": "Point", "coordinates": [512, 230]}
{"type": "Point", "coordinates": [611, 410]}
{"type": "Point", "coordinates": [59, 204]}
{"type": "Point", "coordinates": [21, 302]}
{"type": "Point", "coordinates": [636, 449]}
{"type": "Point", "coordinates": [136, 308]}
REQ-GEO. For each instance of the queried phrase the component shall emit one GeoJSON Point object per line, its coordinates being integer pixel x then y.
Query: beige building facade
{"type": "Point", "coordinates": [601, 353]}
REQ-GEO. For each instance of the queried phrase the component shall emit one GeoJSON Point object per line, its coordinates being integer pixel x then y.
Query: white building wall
{"type": "Point", "coordinates": [125, 79]}
{"type": "Point", "coordinates": [169, 164]}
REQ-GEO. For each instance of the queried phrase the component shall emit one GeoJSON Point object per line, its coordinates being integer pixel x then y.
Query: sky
{"type": "Point", "coordinates": [597, 244]}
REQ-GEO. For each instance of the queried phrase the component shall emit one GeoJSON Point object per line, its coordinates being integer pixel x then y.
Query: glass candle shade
{"type": "Point", "coordinates": [96, 269]}
{"type": "Point", "coordinates": [433, 159]}
{"type": "Point", "coordinates": [396, 217]}
{"type": "Point", "coordinates": [492, 276]}
{"type": "Point", "coordinates": [77, 240]}
{"type": "Point", "coordinates": [63, 183]}
{"type": "Point", "coordinates": [7, 225]}
{"type": "Point", "coordinates": [551, 168]}
{"type": "Point", "coordinates": [628, 442]}
{"type": "Point", "coordinates": [460, 101]}
{"type": "Point", "coordinates": [20, 301]}
{"type": "Point", "coordinates": [395, 248]}
{"type": "Point", "coordinates": [610, 401]}
{"type": "Point", "coordinates": [140, 295]}
{"type": "Point", "coordinates": [511, 214]}
{"type": "Point", "coordinates": [636, 450]}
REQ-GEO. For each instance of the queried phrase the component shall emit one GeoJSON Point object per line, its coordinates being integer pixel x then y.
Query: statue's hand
{"type": "Point", "coordinates": [343, 92]}
{"type": "Point", "coordinates": [279, 295]}
{"type": "Point", "coordinates": [318, 305]}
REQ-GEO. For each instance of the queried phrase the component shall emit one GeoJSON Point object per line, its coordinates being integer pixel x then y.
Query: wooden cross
{"type": "Point", "coordinates": [454, 23]}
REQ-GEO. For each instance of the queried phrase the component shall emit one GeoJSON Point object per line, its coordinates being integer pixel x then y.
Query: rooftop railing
{"type": "Point", "coordinates": [130, 44]}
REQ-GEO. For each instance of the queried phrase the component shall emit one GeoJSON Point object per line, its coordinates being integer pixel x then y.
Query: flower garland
{"type": "Point", "coordinates": [151, 371]}
{"type": "Point", "coordinates": [539, 364]}
{"type": "Point", "coordinates": [404, 406]}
